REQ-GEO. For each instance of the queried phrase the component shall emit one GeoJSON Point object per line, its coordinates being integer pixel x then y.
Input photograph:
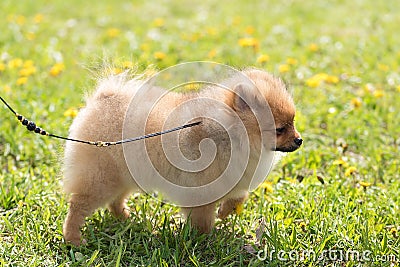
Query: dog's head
{"type": "Point", "coordinates": [272, 91]}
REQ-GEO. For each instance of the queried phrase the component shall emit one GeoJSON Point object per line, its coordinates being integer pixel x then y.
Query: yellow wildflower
{"type": "Point", "coordinates": [192, 86]}
{"type": "Point", "coordinates": [379, 93]}
{"type": "Point", "coordinates": [356, 102]}
{"type": "Point", "coordinates": [30, 36]}
{"type": "Point", "coordinates": [267, 186]}
{"type": "Point", "coordinates": [22, 80]}
{"type": "Point", "coordinates": [249, 30]}
{"type": "Point", "coordinates": [116, 71]}
{"type": "Point", "coordinates": [313, 47]}
{"type": "Point", "coordinates": [6, 88]}
{"type": "Point", "coordinates": [332, 79]}
{"type": "Point", "coordinates": [212, 31]}
{"type": "Point", "coordinates": [145, 47]}
{"type": "Point", "coordinates": [321, 76]}
{"type": "Point", "coordinates": [312, 82]}
{"type": "Point", "coordinates": [193, 37]}
{"type": "Point", "coordinates": [339, 162]}
{"type": "Point", "coordinates": [284, 68]}
{"type": "Point", "coordinates": [113, 32]}
{"type": "Point", "coordinates": [27, 71]}
{"type": "Point", "coordinates": [291, 61]}
{"type": "Point", "coordinates": [249, 42]}
{"type": "Point", "coordinates": [398, 88]}
{"type": "Point", "coordinates": [212, 53]}
{"type": "Point", "coordinates": [38, 18]}
{"type": "Point", "coordinates": [365, 184]}
{"type": "Point", "coordinates": [56, 69]}
{"type": "Point", "coordinates": [2, 67]}
{"type": "Point", "coordinates": [71, 113]}
{"type": "Point", "coordinates": [383, 67]}
{"type": "Point", "coordinates": [317, 79]}
{"type": "Point", "coordinates": [237, 20]}
{"type": "Point", "coordinates": [263, 58]}
{"type": "Point", "coordinates": [20, 20]}
{"type": "Point", "coordinates": [158, 22]}
{"type": "Point", "coordinates": [239, 208]}
{"type": "Point", "coordinates": [350, 170]}
{"type": "Point", "coordinates": [368, 88]}
{"type": "Point", "coordinates": [127, 64]}
{"type": "Point", "coordinates": [15, 63]}
{"type": "Point", "coordinates": [159, 55]}
{"type": "Point", "coordinates": [28, 63]}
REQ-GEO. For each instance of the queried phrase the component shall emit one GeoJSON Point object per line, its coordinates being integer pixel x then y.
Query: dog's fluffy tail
{"type": "Point", "coordinates": [111, 85]}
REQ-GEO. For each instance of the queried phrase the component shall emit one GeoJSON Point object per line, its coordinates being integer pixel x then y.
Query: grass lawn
{"type": "Point", "coordinates": [334, 202]}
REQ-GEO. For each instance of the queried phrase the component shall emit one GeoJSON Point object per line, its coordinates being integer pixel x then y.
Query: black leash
{"type": "Point", "coordinates": [31, 126]}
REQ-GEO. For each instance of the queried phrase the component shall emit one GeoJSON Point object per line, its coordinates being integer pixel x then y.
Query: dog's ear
{"type": "Point", "coordinates": [244, 97]}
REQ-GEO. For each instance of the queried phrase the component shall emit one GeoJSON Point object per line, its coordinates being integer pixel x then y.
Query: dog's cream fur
{"type": "Point", "coordinates": [95, 177]}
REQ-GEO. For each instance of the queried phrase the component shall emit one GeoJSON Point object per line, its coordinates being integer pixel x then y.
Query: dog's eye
{"type": "Point", "coordinates": [280, 130]}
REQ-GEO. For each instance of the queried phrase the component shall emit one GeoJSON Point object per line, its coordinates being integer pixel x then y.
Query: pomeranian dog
{"type": "Point", "coordinates": [100, 176]}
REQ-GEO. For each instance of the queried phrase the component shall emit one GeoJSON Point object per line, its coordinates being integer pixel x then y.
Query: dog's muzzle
{"type": "Point", "coordinates": [297, 143]}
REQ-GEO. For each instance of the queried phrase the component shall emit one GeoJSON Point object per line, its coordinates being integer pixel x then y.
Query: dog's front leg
{"type": "Point", "coordinates": [202, 217]}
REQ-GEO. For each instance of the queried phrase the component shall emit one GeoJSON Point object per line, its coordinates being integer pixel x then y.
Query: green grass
{"type": "Point", "coordinates": [317, 204]}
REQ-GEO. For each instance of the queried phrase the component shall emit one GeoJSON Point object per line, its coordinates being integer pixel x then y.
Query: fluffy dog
{"type": "Point", "coordinates": [96, 177]}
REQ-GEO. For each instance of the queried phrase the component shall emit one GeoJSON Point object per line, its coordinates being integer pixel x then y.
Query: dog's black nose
{"type": "Point", "coordinates": [298, 141]}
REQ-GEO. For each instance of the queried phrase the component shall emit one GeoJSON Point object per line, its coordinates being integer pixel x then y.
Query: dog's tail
{"type": "Point", "coordinates": [112, 85]}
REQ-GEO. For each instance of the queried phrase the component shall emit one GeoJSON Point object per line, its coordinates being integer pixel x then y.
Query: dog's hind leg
{"type": "Point", "coordinates": [84, 202]}
{"type": "Point", "coordinates": [80, 206]}
{"type": "Point", "coordinates": [118, 207]}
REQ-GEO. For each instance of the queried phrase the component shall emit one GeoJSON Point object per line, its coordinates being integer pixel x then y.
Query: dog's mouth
{"type": "Point", "coordinates": [287, 149]}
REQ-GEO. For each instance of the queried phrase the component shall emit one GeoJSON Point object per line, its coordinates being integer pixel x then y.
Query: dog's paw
{"type": "Point", "coordinates": [74, 239]}
{"type": "Point", "coordinates": [125, 214]}
{"type": "Point", "coordinates": [122, 213]}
